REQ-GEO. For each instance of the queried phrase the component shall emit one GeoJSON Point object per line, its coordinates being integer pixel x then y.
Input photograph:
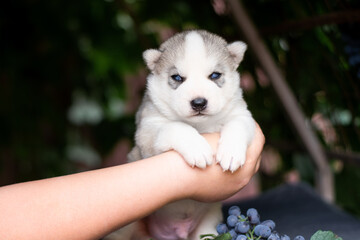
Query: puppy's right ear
{"type": "Point", "coordinates": [151, 56]}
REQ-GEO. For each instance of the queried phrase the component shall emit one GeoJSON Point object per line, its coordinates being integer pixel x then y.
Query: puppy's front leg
{"type": "Point", "coordinates": [235, 137]}
{"type": "Point", "coordinates": [185, 140]}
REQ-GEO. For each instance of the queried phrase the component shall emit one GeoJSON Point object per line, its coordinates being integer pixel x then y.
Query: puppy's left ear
{"type": "Point", "coordinates": [151, 56]}
{"type": "Point", "coordinates": [237, 50]}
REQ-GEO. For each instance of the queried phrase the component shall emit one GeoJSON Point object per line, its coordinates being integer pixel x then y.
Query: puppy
{"type": "Point", "coordinates": [193, 88]}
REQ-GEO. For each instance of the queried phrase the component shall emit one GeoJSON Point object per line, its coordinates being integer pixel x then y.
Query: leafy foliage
{"type": "Point", "coordinates": [325, 235]}
{"type": "Point", "coordinates": [225, 236]}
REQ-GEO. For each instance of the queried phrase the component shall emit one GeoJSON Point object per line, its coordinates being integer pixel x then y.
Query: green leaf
{"type": "Point", "coordinates": [325, 235]}
{"type": "Point", "coordinates": [206, 236]}
{"type": "Point", "coordinates": [225, 236]}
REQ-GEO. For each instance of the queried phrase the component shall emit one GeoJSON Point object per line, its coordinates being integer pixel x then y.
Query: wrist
{"type": "Point", "coordinates": [181, 175]}
{"type": "Point", "coordinates": [192, 180]}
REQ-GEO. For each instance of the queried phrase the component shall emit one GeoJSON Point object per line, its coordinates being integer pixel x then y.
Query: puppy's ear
{"type": "Point", "coordinates": [237, 50]}
{"type": "Point", "coordinates": [151, 56]}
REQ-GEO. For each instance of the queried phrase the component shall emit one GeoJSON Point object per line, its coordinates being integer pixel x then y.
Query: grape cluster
{"type": "Point", "coordinates": [249, 227]}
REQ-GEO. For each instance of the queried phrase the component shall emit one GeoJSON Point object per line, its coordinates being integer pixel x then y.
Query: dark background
{"type": "Point", "coordinates": [72, 75]}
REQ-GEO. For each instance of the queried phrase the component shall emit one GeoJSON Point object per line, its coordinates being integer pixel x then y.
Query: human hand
{"type": "Point", "coordinates": [213, 184]}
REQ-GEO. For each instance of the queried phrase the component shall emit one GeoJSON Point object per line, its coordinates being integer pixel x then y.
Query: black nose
{"type": "Point", "coordinates": [198, 104]}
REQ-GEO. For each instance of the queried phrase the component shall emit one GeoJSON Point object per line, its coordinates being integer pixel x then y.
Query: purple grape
{"type": "Point", "coordinates": [284, 237]}
{"type": "Point", "coordinates": [242, 227]}
{"type": "Point", "coordinates": [262, 231]}
{"type": "Point", "coordinates": [269, 223]}
{"type": "Point", "coordinates": [253, 216]}
{"type": "Point", "coordinates": [234, 210]}
{"type": "Point", "coordinates": [231, 221]}
{"type": "Point", "coordinates": [233, 234]}
{"type": "Point", "coordinates": [221, 228]}
{"type": "Point", "coordinates": [241, 237]}
{"type": "Point", "coordinates": [251, 211]}
{"type": "Point", "coordinates": [299, 237]}
{"type": "Point", "coordinates": [274, 236]}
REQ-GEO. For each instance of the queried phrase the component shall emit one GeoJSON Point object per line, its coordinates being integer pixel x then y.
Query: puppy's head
{"type": "Point", "coordinates": [193, 75]}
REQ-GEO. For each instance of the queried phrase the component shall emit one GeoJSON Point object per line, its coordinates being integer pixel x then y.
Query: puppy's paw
{"type": "Point", "coordinates": [196, 151]}
{"type": "Point", "coordinates": [231, 153]}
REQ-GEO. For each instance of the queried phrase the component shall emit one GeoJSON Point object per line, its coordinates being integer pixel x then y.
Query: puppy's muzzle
{"type": "Point", "coordinates": [198, 104]}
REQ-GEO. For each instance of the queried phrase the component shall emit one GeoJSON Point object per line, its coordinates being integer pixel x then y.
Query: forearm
{"type": "Point", "coordinates": [90, 204]}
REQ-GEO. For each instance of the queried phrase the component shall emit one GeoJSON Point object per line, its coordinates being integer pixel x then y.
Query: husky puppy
{"type": "Point", "coordinates": [193, 88]}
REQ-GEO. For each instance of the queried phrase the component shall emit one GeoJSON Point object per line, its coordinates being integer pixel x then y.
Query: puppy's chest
{"type": "Point", "coordinates": [208, 127]}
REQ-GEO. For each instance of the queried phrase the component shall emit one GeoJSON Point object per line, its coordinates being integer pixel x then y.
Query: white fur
{"type": "Point", "coordinates": [167, 121]}
{"type": "Point", "coordinates": [237, 50]}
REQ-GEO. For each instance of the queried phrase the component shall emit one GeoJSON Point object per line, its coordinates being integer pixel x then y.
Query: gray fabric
{"type": "Point", "coordinates": [298, 210]}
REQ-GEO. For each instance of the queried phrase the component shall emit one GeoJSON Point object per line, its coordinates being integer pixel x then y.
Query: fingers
{"type": "Point", "coordinates": [256, 146]}
{"type": "Point", "coordinates": [253, 158]}
{"type": "Point", "coordinates": [257, 166]}
{"type": "Point", "coordinates": [259, 143]}
{"type": "Point", "coordinates": [253, 154]}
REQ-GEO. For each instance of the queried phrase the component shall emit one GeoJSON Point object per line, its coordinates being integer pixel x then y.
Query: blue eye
{"type": "Point", "coordinates": [215, 76]}
{"type": "Point", "coordinates": [177, 78]}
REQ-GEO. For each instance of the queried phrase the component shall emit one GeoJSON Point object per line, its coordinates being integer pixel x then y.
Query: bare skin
{"type": "Point", "coordinates": [91, 204]}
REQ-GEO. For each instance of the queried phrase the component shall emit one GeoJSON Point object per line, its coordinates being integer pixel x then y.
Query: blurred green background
{"type": "Point", "coordinates": [72, 76]}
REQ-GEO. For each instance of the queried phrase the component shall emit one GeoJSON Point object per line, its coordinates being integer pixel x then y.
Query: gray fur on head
{"type": "Point", "coordinates": [172, 48]}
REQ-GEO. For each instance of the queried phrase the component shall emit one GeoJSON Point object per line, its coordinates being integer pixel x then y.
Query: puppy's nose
{"type": "Point", "coordinates": [198, 104]}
